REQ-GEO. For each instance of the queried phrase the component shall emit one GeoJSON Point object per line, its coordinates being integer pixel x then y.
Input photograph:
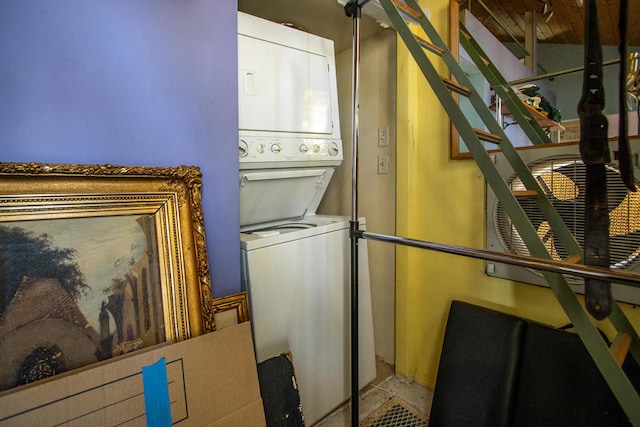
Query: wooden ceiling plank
{"type": "Point", "coordinates": [566, 26]}
{"type": "Point", "coordinates": [634, 23]}
{"type": "Point", "coordinates": [564, 30]}
{"type": "Point", "coordinates": [608, 23]}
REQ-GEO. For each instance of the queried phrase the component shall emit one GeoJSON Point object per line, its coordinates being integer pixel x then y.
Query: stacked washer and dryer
{"type": "Point", "coordinates": [295, 264]}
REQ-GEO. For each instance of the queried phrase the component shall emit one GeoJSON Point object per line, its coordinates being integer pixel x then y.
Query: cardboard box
{"type": "Point", "coordinates": [212, 381]}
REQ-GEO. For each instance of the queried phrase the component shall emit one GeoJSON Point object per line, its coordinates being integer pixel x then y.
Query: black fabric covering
{"type": "Point", "coordinates": [501, 370]}
{"type": "Point", "coordinates": [279, 391]}
{"type": "Point", "coordinates": [478, 366]}
{"type": "Point", "coordinates": [632, 369]}
{"type": "Point", "coordinates": [560, 384]}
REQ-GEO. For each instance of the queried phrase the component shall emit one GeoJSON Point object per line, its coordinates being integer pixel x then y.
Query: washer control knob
{"type": "Point", "coordinates": [333, 149]}
{"type": "Point", "coordinates": [275, 148]}
{"type": "Point", "coordinates": [304, 148]}
{"type": "Point", "coordinates": [261, 148]}
{"type": "Point", "coordinates": [316, 148]}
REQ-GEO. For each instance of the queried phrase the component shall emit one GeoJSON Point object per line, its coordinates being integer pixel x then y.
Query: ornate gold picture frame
{"type": "Point", "coordinates": [230, 310]}
{"type": "Point", "coordinates": [97, 261]}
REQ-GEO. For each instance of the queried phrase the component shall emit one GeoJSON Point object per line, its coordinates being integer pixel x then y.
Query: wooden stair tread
{"type": "Point", "coordinates": [573, 259]}
{"type": "Point", "coordinates": [400, 5]}
{"type": "Point", "coordinates": [620, 347]}
{"type": "Point", "coordinates": [429, 46]}
{"type": "Point", "coordinates": [525, 193]}
{"type": "Point", "coordinates": [487, 136]}
{"type": "Point", "coordinates": [456, 87]}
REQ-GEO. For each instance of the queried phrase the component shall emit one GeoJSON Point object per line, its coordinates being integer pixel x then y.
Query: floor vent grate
{"type": "Point", "coordinates": [396, 413]}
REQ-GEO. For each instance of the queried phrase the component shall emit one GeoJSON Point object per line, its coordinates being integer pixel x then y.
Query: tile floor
{"type": "Point", "coordinates": [386, 386]}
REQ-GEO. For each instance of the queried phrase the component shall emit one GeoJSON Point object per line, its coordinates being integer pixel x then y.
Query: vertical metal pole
{"type": "Point", "coordinates": [354, 226]}
{"type": "Point", "coordinates": [355, 105]}
{"type": "Point", "coordinates": [354, 9]}
{"type": "Point", "coordinates": [355, 386]}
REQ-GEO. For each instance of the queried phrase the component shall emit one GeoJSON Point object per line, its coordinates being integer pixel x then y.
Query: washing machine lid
{"type": "Point", "coordinates": [275, 194]}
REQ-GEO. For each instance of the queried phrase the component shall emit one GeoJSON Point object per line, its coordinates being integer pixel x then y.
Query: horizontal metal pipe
{"type": "Point", "coordinates": [558, 73]}
{"type": "Point", "coordinates": [579, 270]}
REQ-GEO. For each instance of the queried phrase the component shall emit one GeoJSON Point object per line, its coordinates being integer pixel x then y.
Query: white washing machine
{"type": "Point", "coordinates": [296, 264]}
{"type": "Point", "coordinates": [299, 288]}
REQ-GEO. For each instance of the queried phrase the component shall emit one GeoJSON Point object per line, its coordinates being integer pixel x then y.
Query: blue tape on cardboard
{"type": "Point", "coordinates": [156, 394]}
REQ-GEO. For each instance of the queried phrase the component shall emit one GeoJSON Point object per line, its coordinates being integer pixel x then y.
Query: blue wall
{"type": "Point", "coordinates": [144, 83]}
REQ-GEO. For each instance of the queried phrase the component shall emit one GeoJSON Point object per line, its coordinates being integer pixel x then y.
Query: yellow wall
{"type": "Point", "coordinates": [443, 200]}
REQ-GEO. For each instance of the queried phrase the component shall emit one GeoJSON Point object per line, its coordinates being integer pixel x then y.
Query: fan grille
{"type": "Point", "coordinates": [563, 181]}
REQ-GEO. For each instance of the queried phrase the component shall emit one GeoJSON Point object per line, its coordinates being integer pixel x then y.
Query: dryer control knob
{"type": "Point", "coordinates": [316, 148]}
{"type": "Point", "coordinates": [333, 149]}
{"type": "Point", "coordinates": [275, 148]}
{"type": "Point", "coordinates": [243, 149]}
{"type": "Point", "coordinates": [304, 148]}
{"type": "Point", "coordinates": [261, 148]}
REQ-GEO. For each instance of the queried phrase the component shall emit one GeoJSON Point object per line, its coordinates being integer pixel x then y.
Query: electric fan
{"type": "Point", "coordinates": [561, 175]}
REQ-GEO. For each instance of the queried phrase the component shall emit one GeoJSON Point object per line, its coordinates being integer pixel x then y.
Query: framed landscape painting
{"type": "Point", "coordinates": [97, 261]}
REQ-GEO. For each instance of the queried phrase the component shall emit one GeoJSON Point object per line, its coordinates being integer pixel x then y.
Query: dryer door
{"type": "Point", "coordinates": [283, 89]}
